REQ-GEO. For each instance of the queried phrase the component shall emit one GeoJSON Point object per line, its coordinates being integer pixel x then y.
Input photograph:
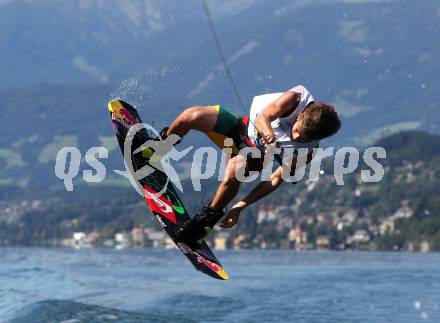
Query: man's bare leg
{"type": "Point", "coordinates": [228, 188]}
{"type": "Point", "coordinates": [203, 222]}
{"type": "Point", "coordinates": [197, 118]}
{"type": "Point", "coordinates": [203, 119]}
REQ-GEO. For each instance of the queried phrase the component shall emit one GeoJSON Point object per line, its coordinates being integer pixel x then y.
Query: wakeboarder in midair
{"type": "Point", "coordinates": [292, 118]}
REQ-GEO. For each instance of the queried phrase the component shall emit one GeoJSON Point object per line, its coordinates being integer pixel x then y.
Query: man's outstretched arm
{"type": "Point", "coordinates": [258, 192]}
{"type": "Point", "coordinates": [263, 189]}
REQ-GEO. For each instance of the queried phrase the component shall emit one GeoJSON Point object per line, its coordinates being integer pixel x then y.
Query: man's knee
{"type": "Point", "coordinates": [235, 164]}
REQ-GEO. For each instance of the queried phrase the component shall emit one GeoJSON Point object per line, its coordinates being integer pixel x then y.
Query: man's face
{"type": "Point", "coordinates": [297, 130]}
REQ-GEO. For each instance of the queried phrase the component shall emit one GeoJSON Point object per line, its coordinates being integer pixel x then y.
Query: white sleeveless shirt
{"type": "Point", "coordinates": [282, 126]}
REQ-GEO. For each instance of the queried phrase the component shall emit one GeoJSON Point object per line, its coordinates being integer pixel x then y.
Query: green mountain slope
{"type": "Point", "coordinates": [402, 211]}
{"type": "Point", "coordinates": [375, 60]}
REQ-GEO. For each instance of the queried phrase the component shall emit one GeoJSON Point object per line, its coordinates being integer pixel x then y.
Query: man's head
{"type": "Point", "coordinates": [318, 121]}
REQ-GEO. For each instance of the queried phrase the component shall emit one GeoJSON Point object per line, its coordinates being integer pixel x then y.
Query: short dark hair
{"type": "Point", "coordinates": [320, 121]}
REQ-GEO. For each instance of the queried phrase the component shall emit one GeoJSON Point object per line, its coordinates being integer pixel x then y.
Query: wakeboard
{"type": "Point", "coordinates": [159, 193]}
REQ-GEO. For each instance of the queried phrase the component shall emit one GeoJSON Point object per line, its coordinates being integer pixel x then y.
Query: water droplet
{"type": "Point", "coordinates": [417, 305]}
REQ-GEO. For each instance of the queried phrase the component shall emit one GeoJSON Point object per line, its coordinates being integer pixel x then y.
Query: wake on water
{"type": "Point", "coordinates": [66, 311]}
{"type": "Point", "coordinates": [152, 285]}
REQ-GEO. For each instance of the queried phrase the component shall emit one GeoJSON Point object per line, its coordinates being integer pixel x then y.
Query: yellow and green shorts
{"type": "Point", "coordinates": [229, 125]}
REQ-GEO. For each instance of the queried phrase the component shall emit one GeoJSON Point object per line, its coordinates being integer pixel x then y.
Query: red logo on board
{"type": "Point", "coordinates": [214, 267]}
{"type": "Point", "coordinates": [159, 204]}
{"type": "Point", "coordinates": [127, 115]}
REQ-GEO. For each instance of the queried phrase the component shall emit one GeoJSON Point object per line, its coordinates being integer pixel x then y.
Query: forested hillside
{"type": "Point", "coordinates": [402, 211]}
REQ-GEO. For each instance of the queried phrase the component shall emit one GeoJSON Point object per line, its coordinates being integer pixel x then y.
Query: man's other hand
{"type": "Point", "coordinates": [231, 218]}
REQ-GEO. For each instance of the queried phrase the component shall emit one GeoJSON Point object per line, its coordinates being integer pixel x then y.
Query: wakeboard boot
{"type": "Point", "coordinates": [194, 230]}
{"type": "Point", "coordinates": [163, 135]}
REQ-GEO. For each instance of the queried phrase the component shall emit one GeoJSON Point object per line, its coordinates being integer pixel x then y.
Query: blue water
{"type": "Point", "coordinates": [72, 286]}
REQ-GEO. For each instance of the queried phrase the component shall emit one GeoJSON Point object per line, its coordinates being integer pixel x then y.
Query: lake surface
{"type": "Point", "coordinates": [151, 285]}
